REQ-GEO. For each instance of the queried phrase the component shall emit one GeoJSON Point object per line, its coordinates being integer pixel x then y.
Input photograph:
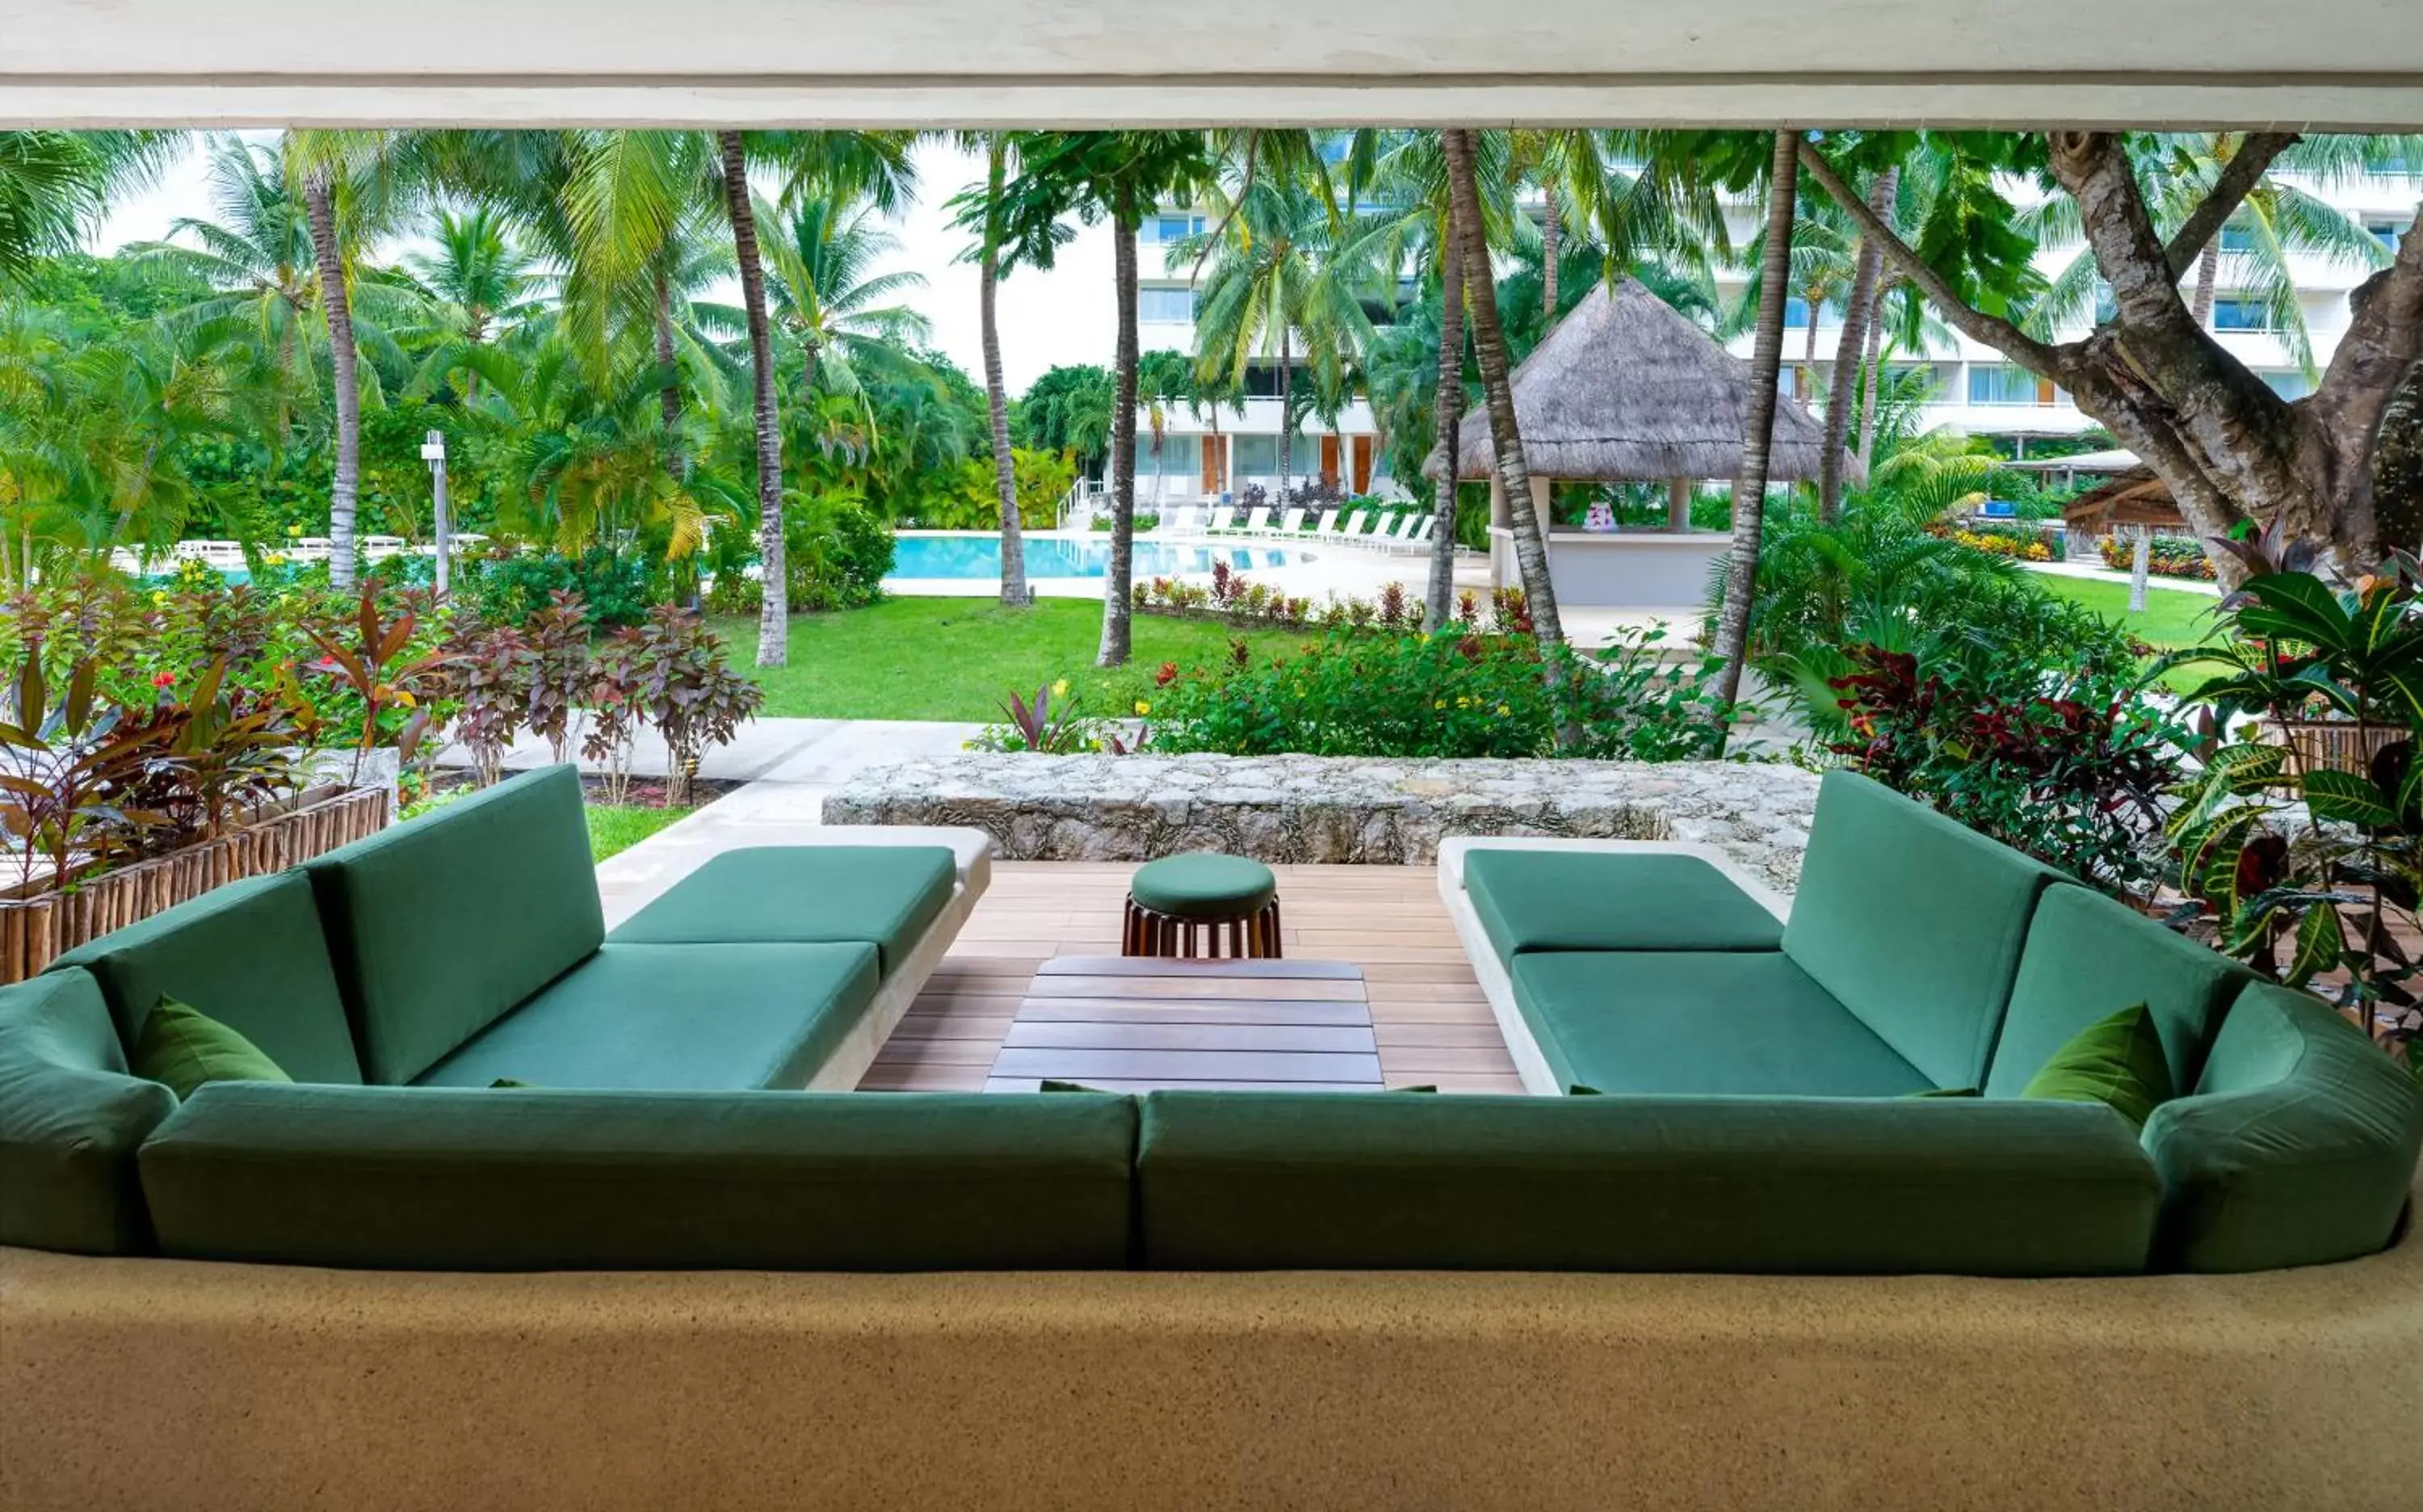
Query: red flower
{"type": "Point", "coordinates": [1167, 675]}
{"type": "Point", "coordinates": [164, 680]}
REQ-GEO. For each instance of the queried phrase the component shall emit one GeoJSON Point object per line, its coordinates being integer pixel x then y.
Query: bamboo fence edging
{"type": "Point", "coordinates": [37, 929]}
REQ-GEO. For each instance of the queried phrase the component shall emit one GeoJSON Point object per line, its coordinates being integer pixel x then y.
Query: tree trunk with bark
{"type": "Point", "coordinates": [1117, 581]}
{"type": "Point", "coordinates": [2207, 275]}
{"type": "Point", "coordinates": [1765, 367]}
{"type": "Point", "coordinates": [1489, 344]}
{"type": "Point", "coordinates": [1551, 243]}
{"type": "Point", "coordinates": [2231, 451]}
{"type": "Point", "coordinates": [1856, 316]}
{"type": "Point", "coordinates": [1287, 420]}
{"type": "Point", "coordinates": [319, 203]}
{"type": "Point", "coordinates": [1872, 377]}
{"type": "Point", "coordinates": [774, 614]}
{"type": "Point", "coordinates": [1014, 591]}
{"type": "Point", "coordinates": [669, 394]}
{"type": "Point", "coordinates": [1438, 605]}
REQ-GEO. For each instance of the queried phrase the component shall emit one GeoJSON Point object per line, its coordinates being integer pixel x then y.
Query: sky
{"type": "Point", "coordinates": [1067, 315]}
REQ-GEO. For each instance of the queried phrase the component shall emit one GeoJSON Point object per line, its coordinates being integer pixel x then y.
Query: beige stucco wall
{"type": "Point", "coordinates": [154, 1383]}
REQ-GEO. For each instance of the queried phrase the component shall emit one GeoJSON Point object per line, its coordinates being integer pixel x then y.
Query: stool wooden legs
{"type": "Point", "coordinates": [1255, 936]}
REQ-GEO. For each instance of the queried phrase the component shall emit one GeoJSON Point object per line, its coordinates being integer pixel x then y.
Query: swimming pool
{"type": "Point", "coordinates": [977, 558]}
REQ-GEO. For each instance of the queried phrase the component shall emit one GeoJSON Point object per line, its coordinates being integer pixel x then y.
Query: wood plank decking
{"type": "Point", "coordinates": [1432, 1024]}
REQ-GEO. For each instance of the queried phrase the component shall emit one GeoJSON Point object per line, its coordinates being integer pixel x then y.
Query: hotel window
{"type": "Point", "coordinates": [1796, 313]}
{"type": "Point", "coordinates": [1182, 457]}
{"type": "Point", "coordinates": [1161, 229]}
{"type": "Point", "coordinates": [1901, 375]}
{"type": "Point", "coordinates": [2003, 384]}
{"type": "Point", "coordinates": [1166, 305]}
{"type": "Point", "coordinates": [1258, 456]}
{"type": "Point", "coordinates": [2238, 236]}
{"type": "Point", "coordinates": [2287, 384]}
{"type": "Point", "coordinates": [2385, 231]}
{"type": "Point", "coordinates": [2241, 315]}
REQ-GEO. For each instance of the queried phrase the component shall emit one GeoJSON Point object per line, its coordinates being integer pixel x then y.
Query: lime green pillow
{"type": "Point", "coordinates": [1945, 1091]}
{"type": "Point", "coordinates": [182, 1047]}
{"type": "Point", "coordinates": [2117, 1061]}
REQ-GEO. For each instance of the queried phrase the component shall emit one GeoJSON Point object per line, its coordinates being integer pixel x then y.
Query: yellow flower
{"type": "Point", "coordinates": [159, 595]}
{"type": "Point", "coordinates": [1441, 704]}
{"type": "Point", "coordinates": [1503, 711]}
{"type": "Point", "coordinates": [1060, 689]}
{"type": "Point", "coordinates": [295, 530]}
{"type": "Point", "coordinates": [1143, 708]}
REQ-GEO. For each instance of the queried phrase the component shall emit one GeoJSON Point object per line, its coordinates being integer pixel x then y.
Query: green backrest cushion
{"type": "Point", "coordinates": [443, 924]}
{"type": "Point", "coordinates": [887, 895]}
{"type": "Point", "coordinates": [70, 1121]}
{"type": "Point", "coordinates": [181, 1049]}
{"type": "Point", "coordinates": [475, 1179]}
{"type": "Point", "coordinates": [2117, 1061]}
{"type": "Point", "coordinates": [2087, 958]}
{"type": "Point", "coordinates": [1913, 923]}
{"type": "Point", "coordinates": [1236, 1181]}
{"type": "Point", "coordinates": [1611, 901]}
{"type": "Point", "coordinates": [250, 955]}
{"type": "Point", "coordinates": [2298, 1146]}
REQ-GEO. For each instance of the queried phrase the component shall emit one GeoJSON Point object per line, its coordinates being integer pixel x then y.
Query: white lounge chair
{"type": "Point", "coordinates": [1394, 531]}
{"type": "Point", "coordinates": [1291, 522]}
{"type": "Point", "coordinates": [1418, 533]}
{"type": "Point", "coordinates": [1220, 518]}
{"type": "Point", "coordinates": [1346, 526]}
{"type": "Point", "coordinates": [1258, 521]}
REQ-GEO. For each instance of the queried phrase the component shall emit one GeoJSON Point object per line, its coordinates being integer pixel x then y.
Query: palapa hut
{"type": "Point", "coordinates": [1625, 390]}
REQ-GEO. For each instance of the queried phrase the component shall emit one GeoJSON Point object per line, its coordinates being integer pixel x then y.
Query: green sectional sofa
{"type": "Point", "coordinates": [671, 1107]}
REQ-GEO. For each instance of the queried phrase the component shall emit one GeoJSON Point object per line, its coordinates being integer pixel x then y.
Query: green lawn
{"type": "Point", "coordinates": [2172, 618]}
{"type": "Point", "coordinates": [957, 658]}
{"type": "Point", "coordinates": [612, 829]}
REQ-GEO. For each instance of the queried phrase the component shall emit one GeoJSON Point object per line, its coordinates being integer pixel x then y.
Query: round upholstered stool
{"type": "Point", "coordinates": [1198, 903]}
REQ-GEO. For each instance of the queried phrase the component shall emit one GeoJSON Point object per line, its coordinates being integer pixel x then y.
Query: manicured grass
{"type": "Point", "coordinates": [957, 658]}
{"type": "Point", "coordinates": [614, 829]}
{"type": "Point", "coordinates": [2171, 618]}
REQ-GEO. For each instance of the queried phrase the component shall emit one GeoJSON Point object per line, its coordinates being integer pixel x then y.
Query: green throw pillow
{"type": "Point", "coordinates": [2117, 1061]}
{"type": "Point", "coordinates": [1945, 1091]}
{"type": "Point", "coordinates": [1577, 1090]}
{"type": "Point", "coordinates": [182, 1047]}
{"type": "Point", "coordinates": [509, 1081]}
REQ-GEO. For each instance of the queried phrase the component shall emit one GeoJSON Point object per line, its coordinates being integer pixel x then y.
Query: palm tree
{"type": "Point", "coordinates": [1489, 345]}
{"type": "Point", "coordinates": [1281, 274]}
{"type": "Point", "coordinates": [470, 289]}
{"type": "Point", "coordinates": [1014, 591]}
{"type": "Point", "coordinates": [1731, 643]}
{"type": "Point", "coordinates": [827, 298]}
{"type": "Point", "coordinates": [54, 186]}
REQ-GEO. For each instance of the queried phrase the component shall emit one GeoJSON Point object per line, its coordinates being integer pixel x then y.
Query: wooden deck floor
{"type": "Point", "coordinates": [1431, 1023]}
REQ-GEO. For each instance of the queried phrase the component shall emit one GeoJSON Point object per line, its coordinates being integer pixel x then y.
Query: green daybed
{"type": "Point", "coordinates": [1755, 1075]}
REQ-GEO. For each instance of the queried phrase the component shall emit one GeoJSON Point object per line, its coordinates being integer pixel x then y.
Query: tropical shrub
{"type": "Point", "coordinates": [2167, 556]}
{"type": "Point", "coordinates": [2305, 854]}
{"type": "Point", "coordinates": [1468, 694]}
{"type": "Point", "coordinates": [2075, 778]}
{"type": "Point", "coordinates": [1054, 722]}
{"type": "Point", "coordinates": [672, 673]}
{"type": "Point", "coordinates": [838, 553]}
{"type": "Point", "coordinates": [509, 588]}
{"type": "Point", "coordinates": [2025, 545]}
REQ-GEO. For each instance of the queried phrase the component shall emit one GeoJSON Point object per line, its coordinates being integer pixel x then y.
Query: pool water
{"type": "Point", "coordinates": [978, 557]}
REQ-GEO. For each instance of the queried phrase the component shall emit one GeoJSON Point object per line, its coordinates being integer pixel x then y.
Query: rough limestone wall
{"type": "Point", "coordinates": [1334, 809]}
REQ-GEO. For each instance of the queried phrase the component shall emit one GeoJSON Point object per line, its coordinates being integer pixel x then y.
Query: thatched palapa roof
{"type": "Point", "coordinates": [1625, 388]}
{"type": "Point", "coordinates": [2135, 496]}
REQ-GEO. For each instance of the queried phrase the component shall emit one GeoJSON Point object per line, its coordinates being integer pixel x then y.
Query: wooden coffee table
{"type": "Point", "coordinates": [1134, 1023]}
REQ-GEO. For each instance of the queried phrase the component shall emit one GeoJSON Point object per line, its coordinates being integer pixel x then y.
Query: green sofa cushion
{"type": "Point", "coordinates": [705, 1017]}
{"type": "Point", "coordinates": [553, 1179]}
{"type": "Point", "coordinates": [250, 955]}
{"type": "Point", "coordinates": [443, 923]}
{"type": "Point", "coordinates": [2117, 1061]}
{"type": "Point", "coordinates": [1742, 1022]}
{"type": "Point", "coordinates": [1914, 923]}
{"type": "Point", "coordinates": [182, 1048]}
{"type": "Point", "coordinates": [2087, 957]}
{"type": "Point", "coordinates": [1287, 1181]}
{"type": "Point", "coordinates": [70, 1121]}
{"type": "Point", "coordinates": [2298, 1146]}
{"type": "Point", "coordinates": [888, 895]}
{"type": "Point", "coordinates": [1611, 901]}
{"type": "Point", "coordinates": [1203, 885]}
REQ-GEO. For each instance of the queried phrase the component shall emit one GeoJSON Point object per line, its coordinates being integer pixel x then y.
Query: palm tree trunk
{"type": "Point", "coordinates": [1489, 344]}
{"type": "Point", "coordinates": [1287, 360]}
{"type": "Point", "coordinates": [1766, 365]}
{"type": "Point", "coordinates": [2208, 274]}
{"type": "Point", "coordinates": [1871, 399]}
{"type": "Point", "coordinates": [1117, 580]}
{"type": "Point", "coordinates": [1551, 241]}
{"type": "Point", "coordinates": [774, 614]}
{"type": "Point", "coordinates": [1014, 591]}
{"type": "Point", "coordinates": [1438, 607]}
{"type": "Point", "coordinates": [669, 394]}
{"type": "Point", "coordinates": [320, 208]}
{"type": "Point", "coordinates": [1856, 315]}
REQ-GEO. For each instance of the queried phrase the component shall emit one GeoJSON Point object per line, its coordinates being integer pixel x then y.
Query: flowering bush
{"type": "Point", "coordinates": [2168, 556]}
{"type": "Point", "coordinates": [2025, 545]}
{"type": "Point", "coordinates": [1054, 722]}
{"type": "Point", "coordinates": [1232, 596]}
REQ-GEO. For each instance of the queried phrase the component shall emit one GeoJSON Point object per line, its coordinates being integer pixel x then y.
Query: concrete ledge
{"type": "Point", "coordinates": [142, 1383]}
{"type": "Point", "coordinates": [1335, 809]}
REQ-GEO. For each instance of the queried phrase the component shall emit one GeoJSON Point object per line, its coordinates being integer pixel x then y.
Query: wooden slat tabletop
{"type": "Point", "coordinates": [1141, 1023]}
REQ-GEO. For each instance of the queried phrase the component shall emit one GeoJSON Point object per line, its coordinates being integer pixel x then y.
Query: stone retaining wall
{"type": "Point", "coordinates": [1334, 808]}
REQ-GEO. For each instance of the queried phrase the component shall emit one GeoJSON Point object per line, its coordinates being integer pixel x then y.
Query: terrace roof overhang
{"type": "Point", "coordinates": [2343, 65]}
